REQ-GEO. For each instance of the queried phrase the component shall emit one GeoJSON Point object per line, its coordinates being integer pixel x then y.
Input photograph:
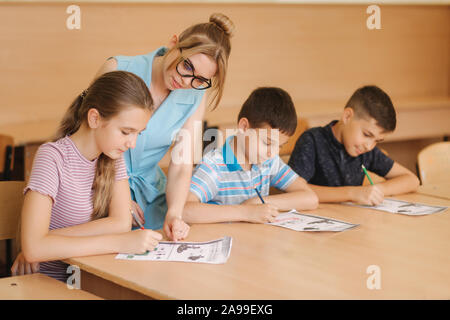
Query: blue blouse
{"type": "Point", "coordinates": [147, 181]}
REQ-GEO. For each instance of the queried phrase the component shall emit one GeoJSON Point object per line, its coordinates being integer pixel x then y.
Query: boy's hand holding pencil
{"type": "Point", "coordinates": [367, 195]}
{"type": "Point", "coordinates": [261, 213]}
{"type": "Point", "coordinates": [256, 210]}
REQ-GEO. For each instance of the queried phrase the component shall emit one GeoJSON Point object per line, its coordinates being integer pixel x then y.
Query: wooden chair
{"type": "Point", "coordinates": [11, 199]}
{"type": "Point", "coordinates": [35, 286]}
{"type": "Point", "coordinates": [434, 163]}
{"type": "Point", "coordinates": [6, 156]}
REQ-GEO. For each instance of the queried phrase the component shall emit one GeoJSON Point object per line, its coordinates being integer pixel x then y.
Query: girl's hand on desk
{"type": "Point", "coordinates": [261, 213]}
{"type": "Point", "coordinates": [139, 241]}
{"type": "Point", "coordinates": [140, 214]}
{"type": "Point", "coordinates": [368, 195]}
{"type": "Point", "coordinates": [21, 266]}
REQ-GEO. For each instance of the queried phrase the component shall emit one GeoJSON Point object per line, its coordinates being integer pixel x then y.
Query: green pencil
{"type": "Point", "coordinates": [367, 174]}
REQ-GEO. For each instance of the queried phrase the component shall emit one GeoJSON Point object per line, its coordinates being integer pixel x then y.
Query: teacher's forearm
{"type": "Point", "coordinates": [178, 182]}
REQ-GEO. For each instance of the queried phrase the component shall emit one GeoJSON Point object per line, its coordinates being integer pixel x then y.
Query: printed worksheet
{"type": "Point", "coordinates": [304, 222]}
{"type": "Point", "coordinates": [216, 251]}
{"type": "Point", "coordinates": [402, 207]}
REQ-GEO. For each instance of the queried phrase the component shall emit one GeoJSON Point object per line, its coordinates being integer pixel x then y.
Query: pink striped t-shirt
{"type": "Point", "coordinates": [61, 172]}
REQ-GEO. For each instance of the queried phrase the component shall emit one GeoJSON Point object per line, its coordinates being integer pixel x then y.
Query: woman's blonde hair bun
{"type": "Point", "coordinates": [223, 22]}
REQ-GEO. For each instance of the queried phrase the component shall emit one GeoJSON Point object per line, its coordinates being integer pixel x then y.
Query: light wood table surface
{"type": "Point", "coordinates": [441, 190]}
{"type": "Point", "coordinates": [268, 262]}
{"type": "Point", "coordinates": [39, 287]}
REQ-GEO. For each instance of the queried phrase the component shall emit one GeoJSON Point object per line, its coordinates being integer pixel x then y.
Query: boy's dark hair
{"type": "Point", "coordinates": [373, 102]}
{"type": "Point", "coordinates": [272, 106]}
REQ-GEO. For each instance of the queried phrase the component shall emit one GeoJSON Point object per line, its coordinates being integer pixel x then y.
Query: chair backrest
{"type": "Point", "coordinates": [286, 150]}
{"type": "Point", "coordinates": [6, 156]}
{"type": "Point", "coordinates": [11, 200]}
{"type": "Point", "coordinates": [433, 163]}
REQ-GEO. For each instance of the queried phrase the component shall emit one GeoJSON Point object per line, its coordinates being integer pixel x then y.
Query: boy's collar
{"type": "Point", "coordinates": [232, 163]}
{"type": "Point", "coordinates": [229, 158]}
{"type": "Point", "coordinates": [333, 138]}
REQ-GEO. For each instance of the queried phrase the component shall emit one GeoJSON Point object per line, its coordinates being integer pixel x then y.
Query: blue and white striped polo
{"type": "Point", "coordinates": [218, 181]}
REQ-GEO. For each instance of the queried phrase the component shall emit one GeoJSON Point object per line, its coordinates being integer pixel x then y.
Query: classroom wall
{"type": "Point", "coordinates": [318, 53]}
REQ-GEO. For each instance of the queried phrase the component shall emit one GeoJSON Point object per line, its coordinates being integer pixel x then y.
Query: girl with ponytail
{"type": "Point", "coordinates": [177, 76]}
{"type": "Point", "coordinates": [77, 200]}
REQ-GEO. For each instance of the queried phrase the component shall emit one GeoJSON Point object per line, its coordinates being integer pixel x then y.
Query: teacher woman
{"type": "Point", "coordinates": [177, 76]}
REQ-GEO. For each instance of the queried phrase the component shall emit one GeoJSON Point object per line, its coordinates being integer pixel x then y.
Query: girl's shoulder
{"type": "Point", "coordinates": [56, 151]}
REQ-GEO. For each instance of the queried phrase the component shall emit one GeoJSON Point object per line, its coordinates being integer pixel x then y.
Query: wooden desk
{"type": "Point", "coordinates": [39, 287]}
{"type": "Point", "coordinates": [441, 190]}
{"type": "Point", "coordinates": [268, 262]}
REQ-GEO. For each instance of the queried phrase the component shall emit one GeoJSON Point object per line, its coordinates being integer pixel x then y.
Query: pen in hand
{"type": "Point", "coordinates": [367, 174]}
{"type": "Point", "coordinates": [259, 195]}
{"type": "Point", "coordinates": [136, 219]}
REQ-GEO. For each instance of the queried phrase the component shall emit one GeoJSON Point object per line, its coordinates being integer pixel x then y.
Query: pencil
{"type": "Point", "coordinates": [367, 174]}
{"type": "Point", "coordinates": [259, 195]}
{"type": "Point", "coordinates": [136, 219]}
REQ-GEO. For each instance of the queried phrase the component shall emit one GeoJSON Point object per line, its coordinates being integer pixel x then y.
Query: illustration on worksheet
{"type": "Point", "coordinates": [403, 207]}
{"type": "Point", "coordinates": [185, 246]}
{"type": "Point", "coordinates": [216, 251]}
{"type": "Point", "coordinates": [303, 222]}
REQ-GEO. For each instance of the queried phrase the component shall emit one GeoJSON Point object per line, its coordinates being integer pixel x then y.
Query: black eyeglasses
{"type": "Point", "coordinates": [186, 70]}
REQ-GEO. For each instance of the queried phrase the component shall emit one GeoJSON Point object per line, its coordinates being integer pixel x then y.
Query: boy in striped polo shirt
{"type": "Point", "coordinates": [226, 183]}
